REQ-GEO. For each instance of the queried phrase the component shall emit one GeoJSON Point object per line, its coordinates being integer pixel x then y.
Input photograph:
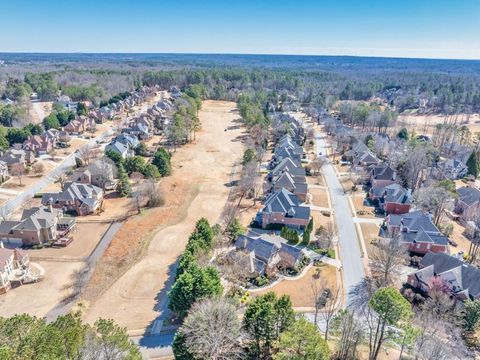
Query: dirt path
{"type": "Point", "coordinates": [195, 189]}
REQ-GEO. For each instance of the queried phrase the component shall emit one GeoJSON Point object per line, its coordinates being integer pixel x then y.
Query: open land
{"type": "Point", "coordinates": [142, 256]}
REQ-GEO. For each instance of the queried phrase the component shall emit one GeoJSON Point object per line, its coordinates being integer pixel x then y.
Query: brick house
{"type": "Point", "coordinates": [392, 199]}
{"type": "Point", "coordinates": [467, 204]}
{"type": "Point", "coordinates": [17, 159]}
{"type": "Point", "coordinates": [382, 175]}
{"type": "Point", "coordinates": [39, 144]}
{"type": "Point", "coordinates": [269, 253]}
{"type": "Point", "coordinates": [417, 233]}
{"type": "Point", "coordinates": [283, 208]}
{"type": "Point", "coordinates": [81, 199]}
{"type": "Point", "coordinates": [462, 280]}
{"type": "Point", "coordinates": [38, 225]}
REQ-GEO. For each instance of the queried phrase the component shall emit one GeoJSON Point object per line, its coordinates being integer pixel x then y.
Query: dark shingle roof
{"type": "Point", "coordinates": [468, 195]}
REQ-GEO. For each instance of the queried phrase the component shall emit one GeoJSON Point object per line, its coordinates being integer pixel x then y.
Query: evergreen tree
{"type": "Point", "coordinates": [124, 187]}
{"type": "Point", "coordinates": [472, 164]}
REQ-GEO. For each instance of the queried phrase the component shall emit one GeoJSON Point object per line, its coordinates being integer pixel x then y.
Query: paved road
{"type": "Point", "coordinates": [350, 253]}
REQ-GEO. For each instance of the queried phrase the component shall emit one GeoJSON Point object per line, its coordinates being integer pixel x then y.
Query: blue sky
{"type": "Point", "coordinates": [404, 28]}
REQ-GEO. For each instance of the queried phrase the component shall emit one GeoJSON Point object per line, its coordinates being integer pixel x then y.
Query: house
{"type": "Point", "coordinates": [462, 280]}
{"type": "Point", "coordinates": [467, 204]}
{"type": "Point", "coordinates": [416, 231]}
{"type": "Point", "coordinates": [80, 125]}
{"type": "Point", "coordinates": [392, 199]}
{"type": "Point", "coordinates": [296, 185]}
{"type": "Point", "coordinates": [78, 198]}
{"type": "Point", "coordinates": [17, 159]}
{"type": "Point", "coordinates": [269, 253]}
{"type": "Point", "coordinates": [287, 165]}
{"type": "Point", "coordinates": [124, 150]}
{"type": "Point", "coordinates": [360, 155]}
{"type": "Point", "coordinates": [129, 140]}
{"type": "Point", "coordinates": [138, 129]}
{"type": "Point", "coordinates": [452, 169]}
{"type": "Point", "coordinates": [382, 175]}
{"type": "Point", "coordinates": [38, 225]}
{"type": "Point", "coordinates": [283, 208]}
{"type": "Point", "coordinates": [39, 144]}
{"type": "Point", "coordinates": [14, 265]}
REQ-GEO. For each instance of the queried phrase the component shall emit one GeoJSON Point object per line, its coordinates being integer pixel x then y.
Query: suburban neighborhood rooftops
{"type": "Point", "coordinates": [469, 195]}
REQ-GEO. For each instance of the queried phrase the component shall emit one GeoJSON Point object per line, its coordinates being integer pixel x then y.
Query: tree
{"type": "Point", "coordinates": [301, 341]}
{"type": "Point", "coordinates": [27, 337]}
{"type": "Point", "coordinates": [212, 330]}
{"type": "Point", "coordinates": [142, 149]}
{"type": "Point", "coordinates": [472, 314]}
{"type": "Point", "coordinates": [19, 173]}
{"type": "Point", "coordinates": [38, 168]}
{"type": "Point", "coordinates": [234, 228]}
{"type": "Point", "coordinates": [82, 109]}
{"type": "Point", "coordinates": [135, 164]}
{"type": "Point", "coordinates": [51, 122]}
{"type": "Point", "coordinates": [306, 237]}
{"type": "Point", "coordinates": [115, 157]}
{"type": "Point", "coordinates": [113, 342]}
{"type": "Point", "coordinates": [386, 261]}
{"type": "Point", "coordinates": [350, 333]}
{"type": "Point", "coordinates": [317, 164]}
{"type": "Point", "coordinates": [124, 187]}
{"type": "Point", "coordinates": [150, 171]}
{"type": "Point", "coordinates": [16, 136]}
{"type": "Point", "coordinates": [406, 337]}
{"type": "Point", "coordinates": [472, 164]}
{"type": "Point", "coordinates": [248, 156]}
{"type": "Point", "coordinates": [193, 286]}
{"type": "Point", "coordinates": [403, 134]}
{"type": "Point", "coordinates": [390, 308]}
{"type": "Point", "coordinates": [265, 318]}
{"type": "Point", "coordinates": [161, 160]}
{"type": "Point", "coordinates": [434, 199]}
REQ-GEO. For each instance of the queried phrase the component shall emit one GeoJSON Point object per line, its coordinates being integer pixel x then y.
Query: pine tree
{"type": "Point", "coordinates": [472, 164]}
{"type": "Point", "coordinates": [124, 187]}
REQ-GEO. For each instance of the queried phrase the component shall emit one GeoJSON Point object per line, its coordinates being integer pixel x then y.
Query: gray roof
{"type": "Point", "coordinates": [395, 193]}
{"type": "Point", "coordinates": [290, 165]}
{"type": "Point", "coordinates": [424, 237]}
{"type": "Point", "coordinates": [283, 201]}
{"type": "Point", "coordinates": [463, 276]}
{"type": "Point", "coordinates": [86, 193]}
{"type": "Point", "coordinates": [469, 195]}
{"type": "Point", "coordinates": [382, 172]}
{"type": "Point", "coordinates": [417, 220]}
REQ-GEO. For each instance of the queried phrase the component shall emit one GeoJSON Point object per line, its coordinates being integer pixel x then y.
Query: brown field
{"type": "Point", "coordinates": [370, 232]}
{"type": "Point", "coordinates": [319, 197]}
{"type": "Point", "coordinates": [300, 290]}
{"type": "Point", "coordinates": [316, 180]}
{"type": "Point", "coordinates": [358, 203]}
{"type": "Point", "coordinates": [130, 282]}
{"type": "Point", "coordinates": [38, 299]}
{"type": "Point", "coordinates": [86, 238]}
{"type": "Point", "coordinates": [425, 124]}
{"type": "Point", "coordinates": [17, 184]}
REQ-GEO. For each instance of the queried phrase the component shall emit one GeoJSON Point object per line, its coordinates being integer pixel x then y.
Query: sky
{"type": "Point", "coordinates": [392, 28]}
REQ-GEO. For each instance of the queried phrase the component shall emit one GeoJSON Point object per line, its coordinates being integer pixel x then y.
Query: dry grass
{"type": "Point", "coordinates": [370, 232]}
{"type": "Point", "coordinates": [138, 265]}
{"type": "Point", "coordinates": [300, 290]}
{"type": "Point", "coordinates": [319, 197]}
{"type": "Point", "coordinates": [359, 206]}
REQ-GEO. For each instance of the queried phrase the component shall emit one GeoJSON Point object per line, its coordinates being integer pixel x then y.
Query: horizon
{"type": "Point", "coordinates": [231, 54]}
{"type": "Point", "coordinates": [426, 29]}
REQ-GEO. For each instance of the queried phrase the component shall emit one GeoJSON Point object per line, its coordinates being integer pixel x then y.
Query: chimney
{"type": "Point", "coordinates": [1, 245]}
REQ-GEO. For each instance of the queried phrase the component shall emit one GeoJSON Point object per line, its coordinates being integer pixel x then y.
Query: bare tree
{"type": "Point", "coordinates": [248, 182]}
{"type": "Point", "coordinates": [351, 335]}
{"type": "Point", "coordinates": [212, 330]}
{"type": "Point", "coordinates": [317, 164]}
{"type": "Point", "coordinates": [38, 168]}
{"type": "Point", "coordinates": [86, 153]}
{"type": "Point", "coordinates": [324, 236]}
{"type": "Point", "coordinates": [104, 170]}
{"type": "Point", "coordinates": [386, 261]}
{"type": "Point", "coordinates": [434, 199]}
{"type": "Point", "coordinates": [330, 307]}
{"type": "Point", "coordinates": [19, 173]}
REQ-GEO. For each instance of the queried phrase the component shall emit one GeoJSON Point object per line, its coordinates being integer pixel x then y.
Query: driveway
{"type": "Point", "coordinates": [350, 254]}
